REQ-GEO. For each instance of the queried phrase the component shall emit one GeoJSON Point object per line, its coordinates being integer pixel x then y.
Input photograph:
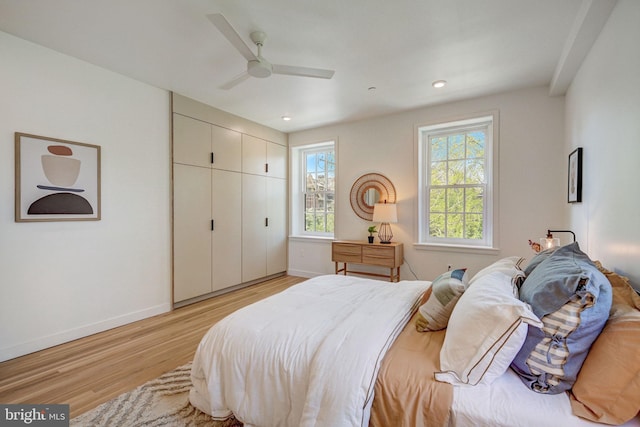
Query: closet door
{"type": "Point", "coordinates": [277, 229]}
{"type": "Point", "coordinates": [254, 227]}
{"type": "Point", "coordinates": [191, 235]}
{"type": "Point", "coordinates": [226, 212]}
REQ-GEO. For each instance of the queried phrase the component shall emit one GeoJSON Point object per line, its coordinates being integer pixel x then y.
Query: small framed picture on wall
{"type": "Point", "coordinates": [574, 190]}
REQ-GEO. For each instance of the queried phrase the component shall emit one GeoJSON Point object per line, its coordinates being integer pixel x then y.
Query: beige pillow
{"type": "Point", "coordinates": [607, 389]}
{"type": "Point", "coordinates": [446, 289]}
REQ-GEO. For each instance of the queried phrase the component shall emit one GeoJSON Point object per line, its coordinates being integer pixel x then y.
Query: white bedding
{"type": "Point", "coordinates": [508, 403]}
{"type": "Point", "coordinates": [308, 356]}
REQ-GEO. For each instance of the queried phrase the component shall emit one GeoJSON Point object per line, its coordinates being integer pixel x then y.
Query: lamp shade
{"type": "Point", "coordinates": [552, 242]}
{"type": "Point", "coordinates": [385, 212]}
{"type": "Point", "coordinates": [549, 242]}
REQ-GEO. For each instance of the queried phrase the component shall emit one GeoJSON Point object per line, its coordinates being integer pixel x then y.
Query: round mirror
{"type": "Point", "coordinates": [368, 190]}
{"type": "Point", "coordinates": [371, 196]}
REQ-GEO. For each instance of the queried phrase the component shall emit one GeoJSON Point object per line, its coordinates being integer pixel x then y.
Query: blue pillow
{"type": "Point", "coordinates": [572, 298]}
{"type": "Point", "coordinates": [537, 259]}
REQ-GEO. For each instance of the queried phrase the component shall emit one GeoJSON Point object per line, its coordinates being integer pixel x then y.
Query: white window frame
{"type": "Point", "coordinates": [298, 187]}
{"type": "Point", "coordinates": [490, 122]}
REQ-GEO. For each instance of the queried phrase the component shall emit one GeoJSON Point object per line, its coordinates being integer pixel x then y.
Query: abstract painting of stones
{"type": "Point", "coordinates": [56, 180]}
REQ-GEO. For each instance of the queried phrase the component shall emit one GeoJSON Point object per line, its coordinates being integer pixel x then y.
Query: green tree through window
{"type": "Point", "coordinates": [457, 185]}
{"type": "Point", "coordinates": [319, 190]}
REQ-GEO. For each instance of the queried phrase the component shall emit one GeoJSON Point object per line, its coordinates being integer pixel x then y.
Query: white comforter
{"type": "Point", "coordinates": [307, 356]}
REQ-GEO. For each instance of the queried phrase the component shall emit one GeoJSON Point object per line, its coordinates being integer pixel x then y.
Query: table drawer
{"type": "Point", "coordinates": [344, 252]}
{"type": "Point", "coordinates": [379, 255]}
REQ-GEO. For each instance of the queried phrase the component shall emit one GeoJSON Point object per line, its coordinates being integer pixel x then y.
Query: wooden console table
{"type": "Point", "coordinates": [377, 254]}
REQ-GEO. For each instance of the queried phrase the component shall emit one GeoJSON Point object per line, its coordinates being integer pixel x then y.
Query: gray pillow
{"type": "Point", "coordinates": [537, 259]}
{"type": "Point", "coordinates": [572, 298]}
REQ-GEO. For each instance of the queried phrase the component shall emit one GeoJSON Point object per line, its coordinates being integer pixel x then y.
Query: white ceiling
{"type": "Point", "coordinates": [400, 47]}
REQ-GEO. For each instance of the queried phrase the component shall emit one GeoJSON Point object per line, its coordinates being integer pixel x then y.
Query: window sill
{"type": "Point", "coordinates": [480, 250]}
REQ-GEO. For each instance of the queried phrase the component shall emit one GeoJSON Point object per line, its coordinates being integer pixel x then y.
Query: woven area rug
{"type": "Point", "coordinates": [163, 401]}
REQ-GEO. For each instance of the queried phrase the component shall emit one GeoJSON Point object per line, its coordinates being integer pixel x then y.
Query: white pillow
{"type": "Point", "coordinates": [486, 330]}
{"type": "Point", "coordinates": [509, 266]}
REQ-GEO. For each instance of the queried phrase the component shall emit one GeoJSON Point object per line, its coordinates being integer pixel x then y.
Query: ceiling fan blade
{"type": "Point", "coordinates": [302, 71]}
{"type": "Point", "coordinates": [232, 35]}
{"type": "Point", "coordinates": [235, 81]}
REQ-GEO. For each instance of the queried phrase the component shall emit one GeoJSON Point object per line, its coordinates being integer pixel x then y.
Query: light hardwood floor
{"type": "Point", "coordinates": [89, 371]}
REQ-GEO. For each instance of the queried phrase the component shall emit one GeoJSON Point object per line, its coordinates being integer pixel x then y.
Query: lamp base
{"type": "Point", "coordinates": [385, 233]}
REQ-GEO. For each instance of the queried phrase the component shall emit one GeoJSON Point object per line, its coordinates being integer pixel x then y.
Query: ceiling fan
{"type": "Point", "coordinates": [257, 66]}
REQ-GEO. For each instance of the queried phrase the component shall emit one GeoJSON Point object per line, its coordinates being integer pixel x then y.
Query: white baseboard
{"type": "Point", "coordinates": [304, 273]}
{"type": "Point", "coordinates": [79, 332]}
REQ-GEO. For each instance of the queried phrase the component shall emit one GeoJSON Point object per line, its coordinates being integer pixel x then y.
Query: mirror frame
{"type": "Point", "coordinates": [366, 182]}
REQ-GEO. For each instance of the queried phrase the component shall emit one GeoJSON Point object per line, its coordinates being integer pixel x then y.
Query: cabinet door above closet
{"type": "Point", "coordinates": [277, 160]}
{"type": "Point", "coordinates": [191, 141]}
{"type": "Point", "coordinates": [199, 143]}
{"type": "Point", "coordinates": [226, 146]}
{"type": "Point", "coordinates": [260, 157]}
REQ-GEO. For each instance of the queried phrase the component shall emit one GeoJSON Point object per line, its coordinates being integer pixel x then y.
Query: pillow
{"type": "Point", "coordinates": [608, 386]}
{"type": "Point", "coordinates": [537, 259]}
{"type": "Point", "coordinates": [572, 298]}
{"type": "Point", "coordinates": [434, 314]}
{"type": "Point", "coordinates": [486, 330]}
{"type": "Point", "coordinates": [425, 296]}
{"type": "Point", "coordinates": [509, 266]}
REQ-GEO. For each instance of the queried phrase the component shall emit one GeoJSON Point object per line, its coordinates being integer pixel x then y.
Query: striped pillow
{"type": "Point", "coordinates": [551, 354]}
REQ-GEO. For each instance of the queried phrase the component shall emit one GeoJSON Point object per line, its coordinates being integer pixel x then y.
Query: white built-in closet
{"type": "Point", "coordinates": [229, 201]}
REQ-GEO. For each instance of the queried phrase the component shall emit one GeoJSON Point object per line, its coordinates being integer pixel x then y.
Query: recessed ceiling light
{"type": "Point", "coordinates": [286, 118]}
{"type": "Point", "coordinates": [439, 83]}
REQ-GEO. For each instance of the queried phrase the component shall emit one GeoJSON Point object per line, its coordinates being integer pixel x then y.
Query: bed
{"type": "Point", "coordinates": [348, 351]}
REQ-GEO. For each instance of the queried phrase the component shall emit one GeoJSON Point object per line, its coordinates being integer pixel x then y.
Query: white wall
{"type": "Point", "coordinates": [531, 185]}
{"type": "Point", "coordinates": [63, 280]}
{"type": "Point", "coordinates": [603, 117]}
{"type": "Point", "coordinates": [60, 281]}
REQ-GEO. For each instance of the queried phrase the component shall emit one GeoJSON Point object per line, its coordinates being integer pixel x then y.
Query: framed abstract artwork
{"type": "Point", "coordinates": [574, 185]}
{"type": "Point", "coordinates": [56, 180]}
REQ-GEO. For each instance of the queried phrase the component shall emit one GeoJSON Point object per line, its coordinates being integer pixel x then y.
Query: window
{"type": "Point", "coordinates": [456, 183]}
{"type": "Point", "coordinates": [313, 200]}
